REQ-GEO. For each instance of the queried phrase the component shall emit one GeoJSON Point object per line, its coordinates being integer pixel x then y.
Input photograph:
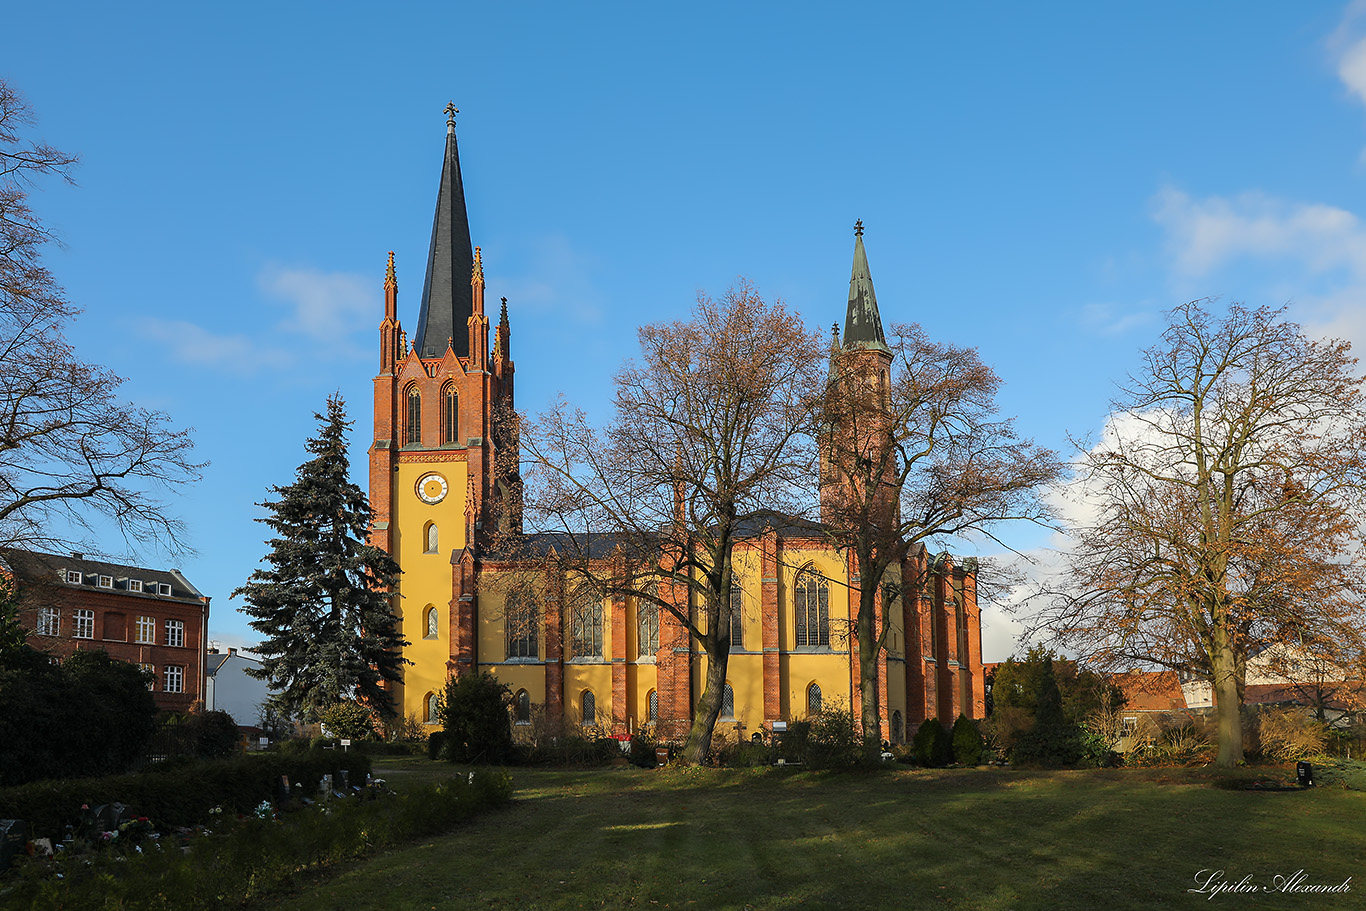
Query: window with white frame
{"type": "Point", "coordinates": [150, 672]}
{"type": "Point", "coordinates": [647, 629]}
{"type": "Point", "coordinates": [146, 631]}
{"type": "Point", "coordinates": [163, 589]}
{"type": "Point", "coordinates": [83, 624]}
{"type": "Point", "coordinates": [73, 577]}
{"type": "Point", "coordinates": [49, 621]}
{"type": "Point", "coordinates": [106, 582]}
{"type": "Point", "coordinates": [135, 585]}
{"type": "Point", "coordinates": [175, 632]}
{"type": "Point", "coordinates": [812, 602]}
{"type": "Point", "coordinates": [520, 627]}
{"type": "Point", "coordinates": [585, 627]}
{"type": "Point", "coordinates": [174, 681]}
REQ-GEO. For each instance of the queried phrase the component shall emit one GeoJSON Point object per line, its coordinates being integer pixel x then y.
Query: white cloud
{"type": "Point", "coordinates": [1204, 235]}
{"type": "Point", "coordinates": [1347, 45]}
{"type": "Point", "coordinates": [328, 307]}
{"type": "Point", "coordinates": [188, 343]}
{"type": "Point", "coordinates": [1106, 319]}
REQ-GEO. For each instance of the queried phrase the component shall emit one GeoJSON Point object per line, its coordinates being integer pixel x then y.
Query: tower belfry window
{"type": "Point", "coordinates": [450, 416]}
{"type": "Point", "coordinates": [413, 430]}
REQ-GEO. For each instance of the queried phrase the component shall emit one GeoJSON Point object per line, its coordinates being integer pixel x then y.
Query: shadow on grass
{"type": "Point", "coordinates": [987, 839]}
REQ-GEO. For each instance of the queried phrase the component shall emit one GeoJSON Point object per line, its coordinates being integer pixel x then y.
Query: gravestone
{"type": "Point", "coordinates": [108, 816]}
{"type": "Point", "coordinates": [13, 840]}
{"type": "Point", "coordinates": [282, 789]}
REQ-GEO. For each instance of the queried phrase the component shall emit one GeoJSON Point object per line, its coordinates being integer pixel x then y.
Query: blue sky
{"type": "Point", "coordinates": [1038, 181]}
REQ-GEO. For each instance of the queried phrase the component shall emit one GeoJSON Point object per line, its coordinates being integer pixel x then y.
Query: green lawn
{"type": "Point", "coordinates": [889, 840]}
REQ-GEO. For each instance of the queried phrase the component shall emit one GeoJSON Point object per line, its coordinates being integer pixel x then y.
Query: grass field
{"type": "Point", "coordinates": [988, 839]}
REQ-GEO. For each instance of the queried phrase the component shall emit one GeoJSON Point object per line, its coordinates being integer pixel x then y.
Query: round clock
{"type": "Point", "coordinates": [431, 488]}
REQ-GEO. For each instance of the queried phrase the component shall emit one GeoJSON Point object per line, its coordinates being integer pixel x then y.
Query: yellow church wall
{"type": "Point", "coordinates": [529, 677]}
{"type": "Point", "coordinates": [581, 677]}
{"type": "Point", "coordinates": [426, 578]}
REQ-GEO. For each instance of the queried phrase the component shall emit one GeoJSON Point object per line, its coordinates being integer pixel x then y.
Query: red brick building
{"type": "Point", "coordinates": [152, 618]}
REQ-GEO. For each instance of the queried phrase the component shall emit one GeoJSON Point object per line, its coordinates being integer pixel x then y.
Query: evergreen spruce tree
{"type": "Point", "coordinates": [324, 602]}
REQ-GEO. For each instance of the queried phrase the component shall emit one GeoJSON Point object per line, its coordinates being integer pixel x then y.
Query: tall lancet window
{"type": "Point", "coordinates": [450, 415]}
{"type": "Point", "coordinates": [413, 435]}
{"type": "Point", "coordinates": [812, 603]}
{"type": "Point", "coordinates": [431, 538]}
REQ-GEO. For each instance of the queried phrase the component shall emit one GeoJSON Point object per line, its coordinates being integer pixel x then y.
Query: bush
{"type": "Point", "coordinates": [1049, 746]}
{"type": "Point", "coordinates": [967, 742]}
{"type": "Point", "coordinates": [642, 752]}
{"type": "Point", "coordinates": [214, 734]}
{"type": "Point", "coordinates": [90, 715]}
{"type": "Point", "coordinates": [474, 715]}
{"type": "Point", "coordinates": [932, 746]}
{"type": "Point", "coordinates": [348, 720]}
{"type": "Point", "coordinates": [1288, 735]}
{"type": "Point", "coordinates": [834, 742]}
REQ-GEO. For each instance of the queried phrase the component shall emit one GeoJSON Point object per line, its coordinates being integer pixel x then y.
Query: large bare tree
{"type": "Point", "coordinates": [70, 448]}
{"type": "Point", "coordinates": [914, 453]}
{"type": "Point", "coordinates": [1226, 497]}
{"type": "Point", "coordinates": [711, 428]}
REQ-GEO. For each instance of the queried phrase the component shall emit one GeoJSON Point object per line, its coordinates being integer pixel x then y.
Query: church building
{"type": "Point", "coordinates": [444, 482]}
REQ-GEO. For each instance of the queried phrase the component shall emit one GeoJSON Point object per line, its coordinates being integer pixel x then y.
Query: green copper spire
{"type": "Point", "coordinates": [862, 324]}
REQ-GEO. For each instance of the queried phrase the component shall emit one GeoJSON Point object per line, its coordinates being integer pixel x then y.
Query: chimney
{"type": "Point", "coordinates": [232, 651]}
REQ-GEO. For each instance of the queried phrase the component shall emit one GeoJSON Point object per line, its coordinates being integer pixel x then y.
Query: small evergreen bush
{"type": "Point", "coordinates": [932, 745]}
{"type": "Point", "coordinates": [967, 742]}
{"type": "Point", "coordinates": [474, 716]}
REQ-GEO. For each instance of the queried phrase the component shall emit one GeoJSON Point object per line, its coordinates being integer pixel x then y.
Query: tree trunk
{"type": "Point", "coordinates": [708, 708]}
{"type": "Point", "coordinates": [1228, 702]}
{"type": "Point", "coordinates": [868, 651]}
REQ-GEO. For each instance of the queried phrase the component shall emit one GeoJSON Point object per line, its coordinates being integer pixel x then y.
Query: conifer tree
{"type": "Point", "coordinates": [324, 602]}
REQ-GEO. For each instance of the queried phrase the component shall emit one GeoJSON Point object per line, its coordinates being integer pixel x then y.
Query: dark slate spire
{"type": "Point", "coordinates": [446, 302]}
{"type": "Point", "coordinates": [862, 324]}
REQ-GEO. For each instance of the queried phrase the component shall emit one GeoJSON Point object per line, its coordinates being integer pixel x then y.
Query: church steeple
{"type": "Point", "coordinates": [862, 324]}
{"type": "Point", "coordinates": [446, 300]}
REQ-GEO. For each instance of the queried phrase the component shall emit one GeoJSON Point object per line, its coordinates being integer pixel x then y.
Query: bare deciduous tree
{"type": "Point", "coordinates": [1226, 499]}
{"type": "Point", "coordinates": [712, 427]}
{"type": "Point", "coordinates": [913, 453]}
{"type": "Point", "coordinates": [70, 449]}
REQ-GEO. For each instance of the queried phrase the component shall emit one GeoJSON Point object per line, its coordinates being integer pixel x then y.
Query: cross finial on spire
{"type": "Point", "coordinates": [451, 111]}
{"type": "Point", "coordinates": [858, 228]}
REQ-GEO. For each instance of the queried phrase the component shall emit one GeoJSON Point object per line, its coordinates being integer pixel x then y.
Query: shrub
{"type": "Point", "coordinates": [214, 734]}
{"type": "Point", "coordinates": [1049, 746]}
{"type": "Point", "coordinates": [967, 742]}
{"type": "Point", "coordinates": [642, 752]}
{"type": "Point", "coordinates": [474, 715]}
{"type": "Point", "coordinates": [1288, 735]}
{"type": "Point", "coordinates": [834, 741]}
{"type": "Point", "coordinates": [932, 745]}
{"type": "Point", "coordinates": [348, 720]}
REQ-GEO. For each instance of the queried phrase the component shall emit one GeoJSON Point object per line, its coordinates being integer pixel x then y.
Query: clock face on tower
{"type": "Point", "coordinates": [431, 488]}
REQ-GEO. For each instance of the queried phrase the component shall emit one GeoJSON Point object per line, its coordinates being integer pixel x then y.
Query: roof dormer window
{"type": "Point", "coordinates": [73, 577]}
{"type": "Point", "coordinates": [135, 585]}
{"type": "Point", "coordinates": [164, 589]}
{"type": "Point", "coordinates": [106, 582]}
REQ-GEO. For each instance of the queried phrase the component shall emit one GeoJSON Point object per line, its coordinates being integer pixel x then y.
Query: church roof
{"type": "Point", "coordinates": [446, 299]}
{"type": "Point", "coordinates": [862, 324]}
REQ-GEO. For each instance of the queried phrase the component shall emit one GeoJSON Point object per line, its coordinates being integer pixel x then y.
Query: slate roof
{"type": "Point", "coordinates": [447, 303]}
{"type": "Point", "coordinates": [862, 323]}
{"type": "Point", "coordinates": [51, 569]}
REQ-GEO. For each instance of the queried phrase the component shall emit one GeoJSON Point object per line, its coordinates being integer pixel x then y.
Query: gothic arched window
{"type": "Point", "coordinates": [433, 622]}
{"type": "Point", "coordinates": [737, 619]}
{"type": "Point", "coordinates": [585, 627]}
{"type": "Point", "coordinates": [450, 415]}
{"type": "Point", "coordinates": [898, 727]}
{"type": "Point", "coordinates": [647, 629]}
{"type": "Point", "coordinates": [652, 706]}
{"type": "Point", "coordinates": [432, 709]}
{"type": "Point", "coordinates": [413, 428]}
{"type": "Point", "coordinates": [811, 597]}
{"type": "Point", "coordinates": [590, 708]}
{"type": "Point", "coordinates": [522, 706]}
{"type": "Point", "coordinates": [519, 625]}
{"type": "Point", "coordinates": [813, 699]}
{"type": "Point", "coordinates": [430, 544]}
{"type": "Point", "coordinates": [727, 702]}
